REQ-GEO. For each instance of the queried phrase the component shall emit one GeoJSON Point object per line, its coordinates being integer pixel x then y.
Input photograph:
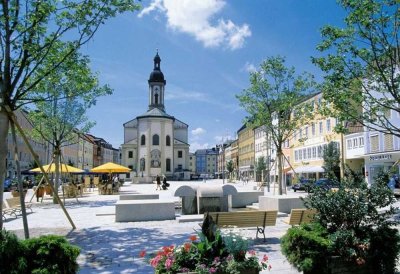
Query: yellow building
{"type": "Point", "coordinates": [309, 140]}
{"type": "Point", "coordinates": [246, 151]}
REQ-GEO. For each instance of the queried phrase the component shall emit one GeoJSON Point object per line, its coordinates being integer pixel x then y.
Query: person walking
{"type": "Point", "coordinates": [158, 180]}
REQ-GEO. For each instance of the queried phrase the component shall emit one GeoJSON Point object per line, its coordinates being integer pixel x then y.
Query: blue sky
{"type": "Point", "coordinates": [207, 48]}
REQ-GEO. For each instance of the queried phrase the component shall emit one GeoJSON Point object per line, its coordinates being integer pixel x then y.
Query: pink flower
{"type": "Point", "coordinates": [154, 262]}
{"type": "Point", "coordinates": [168, 263]}
{"type": "Point", "coordinates": [252, 252]}
{"type": "Point", "coordinates": [269, 267]}
{"type": "Point", "coordinates": [265, 258]}
{"type": "Point", "coordinates": [212, 270]}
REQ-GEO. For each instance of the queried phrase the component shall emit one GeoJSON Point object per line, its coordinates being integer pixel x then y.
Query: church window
{"type": "Point", "coordinates": [180, 154]}
{"type": "Point", "coordinates": [156, 98]}
{"type": "Point", "coordinates": [143, 140]}
{"type": "Point", "coordinates": [168, 141]}
{"type": "Point", "coordinates": [130, 154]}
{"type": "Point", "coordinates": [168, 165]}
{"type": "Point", "coordinates": [156, 140]}
{"type": "Point", "coordinates": [142, 164]}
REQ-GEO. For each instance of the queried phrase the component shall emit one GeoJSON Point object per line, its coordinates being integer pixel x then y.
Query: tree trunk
{"type": "Point", "coordinates": [20, 186]}
{"type": "Point", "coordinates": [57, 155]}
{"type": "Point", "coordinates": [280, 181]}
{"type": "Point", "coordinates": [4, 125]}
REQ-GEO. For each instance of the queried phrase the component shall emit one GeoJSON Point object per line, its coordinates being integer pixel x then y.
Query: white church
{"type": "Point", "coordinates": [155, 143]}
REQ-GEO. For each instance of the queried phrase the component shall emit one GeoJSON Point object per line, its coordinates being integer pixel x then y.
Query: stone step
{"type": "Point", "coordinates": [190, 218]}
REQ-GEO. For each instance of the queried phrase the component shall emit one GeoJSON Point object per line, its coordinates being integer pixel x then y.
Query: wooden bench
{"type": "Point", "coordinates": [250, 218]}
{"type": "Point", "coordinates": [15, 203]}
{"type": "Point", "coordinates": [300, 216]}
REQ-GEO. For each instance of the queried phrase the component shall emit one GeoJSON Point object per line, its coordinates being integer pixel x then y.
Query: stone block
{"type": "Point", "coordinates": [138, 196]}
{"type": "Point", "coordinates": [144, 210]}
{"type": "Point", "coordinates": [243, 199]}
{"type": "Point", "coordinates": [280, 203]}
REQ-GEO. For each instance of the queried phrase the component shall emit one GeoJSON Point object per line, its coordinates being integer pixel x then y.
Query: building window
{"type": "Point", "coordinates": [156, 140]}
{"type": "Point", "coordinates": [168, 141]}
{"type": "Point", "coordinates": [180, 154]}
{"type": "Point", "coordinates": [296, 155]}
{"type": "Point", "coordinates": [361, 141]}
{"type": "Point", "coordinates": [321, 128]}
{"type": "Point", "coordinates": [168, 164]}
{"type": "Point", "coordinates": [130, 154]}
{"type": "Point", "coordinates": [374, 143]}
{"type": "Point", "coordinates": [143, 140]}
{"type": "Point", "coordinates": [355, 142]}
{"type": "Point", "coordinates": [313, 129]}
{"type": "Point", "coordinates": [388, 142]}
{"type": "Point", "coordinates": [306, 132]}
{"type": "Point", "coordinates": [314, 152]}
{"type": "Point", "coordinates": [349, 144]}
{"type": "Point", "coordinates": [328, 125]}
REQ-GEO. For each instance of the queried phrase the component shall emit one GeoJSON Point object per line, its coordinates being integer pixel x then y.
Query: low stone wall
{"type": "Point", "coordinates": [144, 210]}
{"type": "Point", "coordinates": [138, 196]}
{"type": "Point", "coordinates": [243, 199]}
{"type": "Point", "coordinates": [280, 203]}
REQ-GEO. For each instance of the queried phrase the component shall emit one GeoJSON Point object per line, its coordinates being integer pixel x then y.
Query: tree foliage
{"type": "Point", "coordinates": [272, 100]}
{"type": "Point", "coordinates": [362, 61]}
{"type": "Point", "coordinates": [37, 37]}
{"type": "Point", "coordinates": [331, 157]}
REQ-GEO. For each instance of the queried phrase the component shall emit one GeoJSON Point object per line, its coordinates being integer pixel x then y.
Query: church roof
{"type": "Point", "coordinates": [156, 75]}
{"type": "Point", "coordinates": [156, 112]}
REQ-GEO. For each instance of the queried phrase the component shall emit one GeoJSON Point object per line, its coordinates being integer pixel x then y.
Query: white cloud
{"type": "Point", "coordinates": [194, 17]}
{"type": "Point", "coordinates": [198, 131]}
{"type": "Point", "coordinates": [195, 146]}
{"type": "Point", "coordinates": [220, 139]}
{"type": "Point", "coordinates": [217, 120]}
{"type": "Point", "coordinates": [155, 5]}
{"type": "Point", "coordinates": [249, 67]}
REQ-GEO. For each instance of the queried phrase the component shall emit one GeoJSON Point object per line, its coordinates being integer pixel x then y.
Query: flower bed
{"type": "Point", "coordinates": [209, 252]}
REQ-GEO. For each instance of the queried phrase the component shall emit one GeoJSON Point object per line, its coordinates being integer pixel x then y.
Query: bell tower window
{"type": "Point", "coordinates": [156, 99]}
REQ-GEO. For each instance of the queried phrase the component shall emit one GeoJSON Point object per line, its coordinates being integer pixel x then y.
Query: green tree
{"type": "Point", "coordinates": [272, 100]}
{"type": "Point", "coordinates": [36, 37]}
{"type": "Point", "coordinates": [229, 168]}
{"type": "Point", "coordinates": [361, 62]}
{"type": "Point", "coordinates": [59, 120]}
{"type": "Point", "coordinates": [261, 166]}
{"type": "Point", "coordinates": [331, 156]}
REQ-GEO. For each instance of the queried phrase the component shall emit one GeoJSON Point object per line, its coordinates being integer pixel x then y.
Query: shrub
{"type": "Point", "coordinates": [51, 254]}
{"type": "Point", "coordinates": [306, 246]}
{"type": "Point", "coordinates": [11, 254]}
{"type": "Point", "coordinates": [384, 250]}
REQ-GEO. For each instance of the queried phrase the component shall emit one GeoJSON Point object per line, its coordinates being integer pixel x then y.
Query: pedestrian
{"type": "Point", "coordinates": [165, 185]}
{"type": "Point", "coordinates": [158, 180]}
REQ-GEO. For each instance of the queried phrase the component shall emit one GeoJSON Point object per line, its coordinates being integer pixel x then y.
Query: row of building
{"type": "Point", "coordinates": [362, 149]}
{"type": "Point", "coordinates": [85, 151]}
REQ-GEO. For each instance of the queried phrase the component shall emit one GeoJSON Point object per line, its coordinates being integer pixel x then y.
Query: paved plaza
{"type": "Point", "coordinates": [110, 247]}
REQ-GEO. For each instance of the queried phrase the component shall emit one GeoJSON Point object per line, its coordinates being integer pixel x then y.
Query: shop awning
{"type": "Point", "coordinates": [307, 169]}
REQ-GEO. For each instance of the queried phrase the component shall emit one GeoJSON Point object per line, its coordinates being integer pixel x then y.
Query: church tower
{"type": "Point", "coordinates": [156, 86]}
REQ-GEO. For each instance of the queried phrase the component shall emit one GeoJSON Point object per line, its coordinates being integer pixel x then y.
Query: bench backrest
{"type": "Point", "coordinates": [13, 202]}
{"type": "Point", "coordinates": [301, 215]}
{"type": "Point", "coordinates": [245, 218]}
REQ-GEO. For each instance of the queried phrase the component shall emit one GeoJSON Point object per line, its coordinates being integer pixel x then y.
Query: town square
{"type": "Point", "coordinates": [200, 136]}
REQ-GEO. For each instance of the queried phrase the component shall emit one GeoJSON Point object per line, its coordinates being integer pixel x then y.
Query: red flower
{"type": "Point", "coordinates": [193, 238]}
{"type": "Point", "coordinates": [265, 258]}
{"type": "Point", "coordinates": [142, 253]}
{"type": "Point", "coordinates": [187, 246]}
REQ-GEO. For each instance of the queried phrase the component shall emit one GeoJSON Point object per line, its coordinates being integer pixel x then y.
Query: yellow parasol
{"type": "Point", "coordinates": [63, 169]}
{"type": "Point", "coordinates": [110, 168]}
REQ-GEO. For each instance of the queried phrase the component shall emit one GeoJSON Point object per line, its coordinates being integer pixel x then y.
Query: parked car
{"type": "Point", "coordinates": [303, 184]}
{"type": "Point", "coordinates": [324, 183]}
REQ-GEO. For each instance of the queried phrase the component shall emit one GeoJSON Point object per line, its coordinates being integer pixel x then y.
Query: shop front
{"type": "Point", "coordinates": [376, 163]}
